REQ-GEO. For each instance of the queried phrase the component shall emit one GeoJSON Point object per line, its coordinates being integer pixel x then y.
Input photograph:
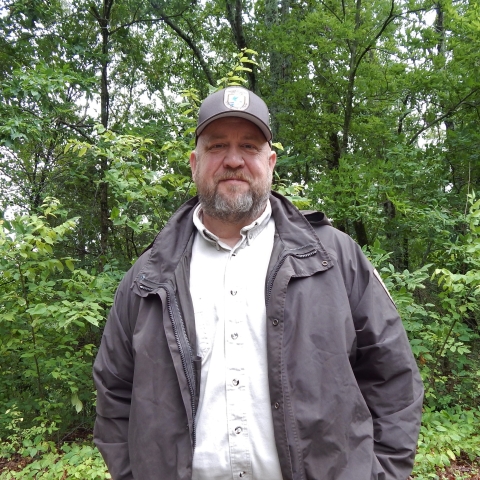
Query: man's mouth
{"type": "Point", "coordinates": [234, 179]}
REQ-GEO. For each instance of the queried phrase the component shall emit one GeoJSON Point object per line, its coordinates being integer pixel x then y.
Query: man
{"type": "Point", "coordinates": [251, 341]}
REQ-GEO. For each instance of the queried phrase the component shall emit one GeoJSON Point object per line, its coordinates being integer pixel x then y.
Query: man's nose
{"type": "Point", "coordinates": [233, 158]}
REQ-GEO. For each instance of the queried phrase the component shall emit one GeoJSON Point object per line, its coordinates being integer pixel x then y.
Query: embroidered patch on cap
{"type": "Point", "coordinates": [236, 98]}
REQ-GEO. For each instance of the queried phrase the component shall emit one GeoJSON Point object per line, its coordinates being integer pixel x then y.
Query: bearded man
{"type": "Point", "coordinates": [253, 341]}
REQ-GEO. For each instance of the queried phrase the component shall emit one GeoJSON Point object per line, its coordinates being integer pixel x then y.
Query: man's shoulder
{"type": "Point", "coordinates": [332, 238]}
{"type": "Point", "coordinates": [314, 226]}
{"type": "Point", "coordinates": [316, 218]}
{"type": "Point", "coordinates": [132, 273]}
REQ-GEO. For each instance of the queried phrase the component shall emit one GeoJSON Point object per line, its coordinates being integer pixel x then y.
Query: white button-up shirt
{"type": "Point", "coordinates": [234, 420]}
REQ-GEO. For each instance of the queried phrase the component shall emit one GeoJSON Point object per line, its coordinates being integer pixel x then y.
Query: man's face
{"type": "Point", "coordinates": [232, 168]}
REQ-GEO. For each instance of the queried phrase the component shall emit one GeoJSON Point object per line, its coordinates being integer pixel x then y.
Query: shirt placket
{"type": "Point", "coordinates": [235, 381]}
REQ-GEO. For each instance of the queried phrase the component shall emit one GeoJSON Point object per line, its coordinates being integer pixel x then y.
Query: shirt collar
{"type": "Point", "coordinates": [248, 233]}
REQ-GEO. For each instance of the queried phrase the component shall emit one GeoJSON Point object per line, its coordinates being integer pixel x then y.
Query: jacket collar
{"type": "Point", "coordinates": [168, 248]}
{"type": "Point", "coordinates": [174, 241]}
{"type": "Point", "coordinates": [294, 230]}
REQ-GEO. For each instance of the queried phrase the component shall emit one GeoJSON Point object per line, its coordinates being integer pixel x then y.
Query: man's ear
{"type": "Point", "coordinates": [193, 162]}
{"type": "Point", "coordinates": [272, 159]}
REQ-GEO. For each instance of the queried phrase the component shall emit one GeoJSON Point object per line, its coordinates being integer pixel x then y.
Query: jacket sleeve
{"type": "Point", "coordinates": [113, 376]}
{"type": "Point", "coordinates": [384, 367]}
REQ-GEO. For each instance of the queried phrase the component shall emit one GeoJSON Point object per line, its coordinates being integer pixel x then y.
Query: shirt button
{"type": "Point", "coordinates": [324, 263]}
{"type": "Point", "coordinates": [276, 405]}
{"type": "Point", "coordinates": [233, 292]}
{"type": "Point", "coordinates": [274, 322]}
{"type": "Point", "coordinates": [235, 382]}
{"type": "Point", "coordinates": [234, 336]}
{"type": "Point", "coordinates": [238, 430]}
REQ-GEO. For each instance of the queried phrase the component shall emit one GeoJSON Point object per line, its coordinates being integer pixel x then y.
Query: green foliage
{"type": "Point", "coordinates": [466, 249]}
{"type": "Point", "coordinates": [28, 442]}
{"type": "Point", "coordinates": [145, 182]}
{"type": "Point", "coordinates": [233, 77]}
{"type": "Point", "coordinates": [50, 313]}
{"type": "Point", "coordinates": [445, 345]}
{"type": "Point", "coordinates": [444, 436]}
{"type": "Point", "coordinates": [292, 192]}
{"type": "Point", "coordinates": [71, 461]}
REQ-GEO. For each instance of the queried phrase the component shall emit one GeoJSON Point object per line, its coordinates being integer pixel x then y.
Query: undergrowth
{"type": "Point", "coordinates": [445, 436]}
{"type": "Point", "coordinates": [70, 461]}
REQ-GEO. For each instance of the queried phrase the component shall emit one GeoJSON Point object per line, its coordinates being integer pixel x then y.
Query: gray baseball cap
{"type": "Point", "coordinates": [234, 102]}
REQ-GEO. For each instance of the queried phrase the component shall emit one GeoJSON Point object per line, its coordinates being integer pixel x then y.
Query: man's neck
{"type": "Point", "coordinates": [227, 232]}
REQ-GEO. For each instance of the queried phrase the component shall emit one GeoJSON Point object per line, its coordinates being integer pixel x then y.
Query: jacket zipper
{"type": "Point", "coordinates": [278, 265]}
{"type": "Point", "coordinates": [184, 347]}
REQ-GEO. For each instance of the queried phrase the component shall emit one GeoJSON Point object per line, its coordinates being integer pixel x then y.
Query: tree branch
{"type": "Point", "coordinates": [134, 22]}
{"type": "Point", "coordinates": [143, 20]}
{"type": "Point", "coordinates": [107, 8]}
{"type": "Point", "coordinates": [332, 11]}
{"type": "Point", "coordinates": [95, 12]}
{"type": "Point", "coordinates": [77, 128]}
{"type": "Point", "coordinates": [189, 41]}
{"type": "Point", "coordinates": [442, 117]}
{"type": "Point", "coordinates": [390, 18]}
{"type": "Point", "coordinates": [386, 23]}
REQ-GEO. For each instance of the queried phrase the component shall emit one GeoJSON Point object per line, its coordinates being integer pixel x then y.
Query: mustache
{"type": "Point", "coordinates": [233, 176]}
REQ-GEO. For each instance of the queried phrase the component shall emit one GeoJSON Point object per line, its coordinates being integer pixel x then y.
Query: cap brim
{"type": "Point", "coordinates": [247, 116]}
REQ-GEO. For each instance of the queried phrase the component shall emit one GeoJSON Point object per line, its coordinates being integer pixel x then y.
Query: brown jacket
{"type": "Point", "coordinates": [346, 395]}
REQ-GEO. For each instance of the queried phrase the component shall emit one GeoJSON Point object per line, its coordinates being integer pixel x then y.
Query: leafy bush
{"type": "Point", "coordinates": [71, 461]}
{"type": "Point", "coordinates": [50, 317]}
{"type": "Point", "coordinates": [444, 436]}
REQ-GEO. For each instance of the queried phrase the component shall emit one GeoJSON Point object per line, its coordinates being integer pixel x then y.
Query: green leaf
{"type": "Point", "coordinates": [48, 240]}
{"type": "Point", "coordinates": [38, 309]}
{"type": "Point", "coordinates": [91, 320]}
{"type": "Point", "coordinates": [451, 454]}
{"type": "Point", "coordinates": [70, 265]}
{"type": "Point", "coordinates": [77, 403]}
{"type": "Point", "coordinates": [243, 69]}
{"type": "Point", "coordinates": [114, 213]}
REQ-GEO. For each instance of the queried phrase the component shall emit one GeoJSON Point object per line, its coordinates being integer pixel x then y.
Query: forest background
{"type": "Point", "coordinates": [375, 113]}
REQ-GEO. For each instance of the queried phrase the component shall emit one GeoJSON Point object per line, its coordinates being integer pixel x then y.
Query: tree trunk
{"type": "Point", "coordinates": [105, 112]}
{"type": "Point", "coordinates": [234, 17]}
{"type": "Point", "coordinates": [352, 71]}
{"type": "Point", "coordinates": [104, 22]}
{"type": "Point", "coordinates": [279, 62]}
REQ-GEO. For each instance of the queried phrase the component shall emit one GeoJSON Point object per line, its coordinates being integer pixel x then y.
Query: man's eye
{"type": "Point", "coordinates": [216, 146]}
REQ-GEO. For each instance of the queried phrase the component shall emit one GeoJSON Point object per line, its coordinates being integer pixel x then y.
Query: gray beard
{"type": "Point", "coordinates": [235, 209]}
